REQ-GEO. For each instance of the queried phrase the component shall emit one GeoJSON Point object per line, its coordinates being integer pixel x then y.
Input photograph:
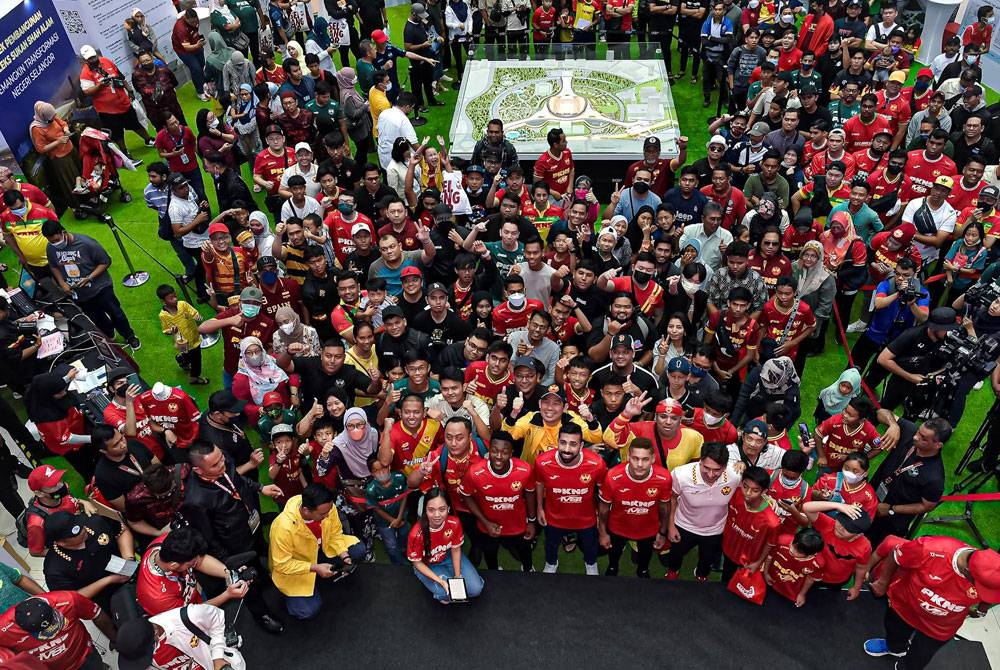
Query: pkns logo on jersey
{"type": "Point", "coordinates": [938, 606]}
{"type": "Point", "coordinates": [52, 649]}
{"type": "Point", "coordinates": [638, 507]}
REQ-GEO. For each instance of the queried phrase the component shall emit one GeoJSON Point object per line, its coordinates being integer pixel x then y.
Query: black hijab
{"type": "Point", "coordinates": [39, 402]}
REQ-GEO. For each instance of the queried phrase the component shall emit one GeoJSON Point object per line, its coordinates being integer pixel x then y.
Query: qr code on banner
{"type": "Point", "coordinates": [72, 22]}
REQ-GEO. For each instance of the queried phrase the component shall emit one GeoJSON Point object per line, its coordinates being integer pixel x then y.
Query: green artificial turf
{"type": "Point", "coordinates": [156, 356]}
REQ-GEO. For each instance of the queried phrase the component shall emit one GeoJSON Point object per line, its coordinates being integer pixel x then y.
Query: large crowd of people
{"type": "Point", "coordinates": [520, 362]}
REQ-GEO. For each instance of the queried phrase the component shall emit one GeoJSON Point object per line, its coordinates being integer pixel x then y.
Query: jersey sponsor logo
{"type": "Point", "coordinates": [569, 491]}
{"type": "Point", "coordinates": [937, 602]}
{"type": "Point", "coordinates": [570, 499]}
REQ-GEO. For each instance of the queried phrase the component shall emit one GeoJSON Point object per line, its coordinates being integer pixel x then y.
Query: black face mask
{"type": "Point", "coordinates": [60, 492]}
{"type": "Point", "coordinates": [893, 169]}
{"type": "Point", "coordinates": [120, 391]}
{"type": "Point", "coordinates": [149, 68]}
{"type": "Point", "coordinates": [641, 276]}
{"type": "Point", "coordinates": [641, 187]}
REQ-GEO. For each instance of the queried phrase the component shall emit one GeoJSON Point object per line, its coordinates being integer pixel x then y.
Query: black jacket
{"type": "Point", "coordinates": [231, 189]}
{"type": "Point", "coordinates": [224, 520]}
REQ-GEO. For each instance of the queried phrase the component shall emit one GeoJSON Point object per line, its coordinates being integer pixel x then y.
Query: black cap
{"type": "Point", "coordinates": [441, 212]}
{"type": "Point", "coordinates": [523, 362]}
{"type": "Point", "coordinates": [837, 165]}
{"type": "Point", "coordinates": [38, 618]}
{"type": "Point", "coordinates": [225, 401]}
{"type": "Point", "coordinates": [990, 192]}
{"type": "Point", "coordinates": [652, 142]}
{"type": "Point", "coordinates": [622, 340]}
{"type": "Point", "coordinates": [264, 261]}
{"type": "Point", "coordinates": [118, 373]}
{"type": "Point", "coordinates": [436, 286]}
{"type": "Point", "coordinates": [942, 319]}
{"type": "Point", "coordinates": [273, 129]}
{"type": "Point", "coordinates": [854, 526]}
{"type": "Point", "coordinates": [392, 311]}
{"type": "Point", "coordinates": [176, 179]}
{"type": "Point", "coordinates": [135, 644]}
{"type": "Point", "coordinates": [62, 525]}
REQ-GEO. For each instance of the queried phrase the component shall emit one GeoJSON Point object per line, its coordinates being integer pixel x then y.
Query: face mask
{"type": "Point", "coordinates": [641, 277]}
{"type": "Point", "coordinates": [807, 66]}
{"type": "Point", "coordinates": [990, 20]}
{"type": "Point", "coordinates": [214, 124]}
{"type": "Point", "coordinates": [772, 61]}
{"type": "Point", "coordinates": [852, 478]}
{"type": "Point", "coordinates": [250, 244]}
{"type": "Point", "coordinates": [921, 86]}
{"type": "Point", "coordinates": [789, 483]}
{"type": "Point", "coordinates": [690, 287]}
{"type": "Point", "coordinates": [388, 87]}
{"type": "Point", "coordinates": [269, 277]}
{"type": "Point", "coordinates": [581, 193]}
{"type": "Point", "coordinates": [893, 169]}
{"type": "Point", "coordinates": [60, 492]}
{"type": "Point", "coordinates": [384, 477]}
{"type": "Point", "coordinates": [971, 60]}
{"type": "Point", "coordinates": [250, 311]}
{"type": "Point", "coordinates": [895, 49]}
{"type": "Point", "coordinates": [255, 360]}
{"type": "Point", "coordinates": [60, 244]}
{"type": "Point", "coordinates": [287, 328]}
{"type": "Point", "coordinates": [20, 211]}
{"type": "Point", "coordinates": [345, 208]}
{"type": "Point", "coordinates": [641, 187]}
{"type": "Point", "coordinates": [120, 391]}
{"type": "Point", "coordinates": [788, 19]}
{"type": "Point", "coordinates": [151, 67]}
{"type": "Point", "coordinates": [754, 4]}
{"type": "Point", "coordinates": [357, 433]}
{"type": "Point", "coordinates": [710, 419]}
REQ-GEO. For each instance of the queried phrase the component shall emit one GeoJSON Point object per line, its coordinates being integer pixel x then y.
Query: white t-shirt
{"type": "Point", "coordinates": [311, 206]}
{"type": "Point", "coordinates": [183, 212]}
{"type": "Point", "coordinates": [944, 219]}
{"type": "Point", "coordinates": [769, 459]}
{"type": "Point", "coordinates": [392, 124]}
{"type": "Point", "coordinates": [701, 507]}
{"type": "Point", "coordinates": [312, 181]}
{"type": "Point", "coordinates": [537, 284]}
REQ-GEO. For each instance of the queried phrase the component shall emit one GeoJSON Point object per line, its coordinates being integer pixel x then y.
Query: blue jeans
{"type": "Point", "coordinates": [394, 540]}
{"type": "Point", "coordinates": [307, 607]}
{"type": "Point", "coordinates": [586, 537]}
{"type": "Point", "coordinates": [195, 63]}
{"type": "Point", "coordinates": [444, 569]}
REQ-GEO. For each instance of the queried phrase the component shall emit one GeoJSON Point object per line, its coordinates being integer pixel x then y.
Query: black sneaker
{"type": "Point", "coordinates": [133, 343]}
{"type": "Point", "coordinates": [423, 109]}
{"type": "Point", "coordinates": [611, 572]}
{"type": "Point", "coordinates": [642, 574]}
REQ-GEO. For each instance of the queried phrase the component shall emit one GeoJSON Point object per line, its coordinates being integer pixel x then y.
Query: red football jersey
{"type": "Point", "coordinates": [555, 171]}
{"type": "Point", "coordinates": [454, 473]}
{"type": "Point", "coordinates": [487, 389]}
{"type": "Point", "coordinates": [821, 161]}
{"type": "Point", "coordinates": [927, 591]}
{"type": "Point", "coordinates": [896, 111]}
{"type": "Point", "coordinates": [865, 163]}
{"type": "Point", "coordinates": [410, 449]}
{"type": "Point", "coordinates": [634, 504]}
{"type": "Point", "coordinates": [773, 322]}
{"type": "Point", "coordinates": [158, 591]}
{"type": "Point", "coordinates": [860, 134]}
{"type": "Point", "coordinates": [840, 441]}
{"type": "Point", "coordinates": [788, 572]}
{"type": "Point", "coordinates": [340, 233]}
{"type": "Point", "coordinates": [921, 172]}
{"type": "Point", "coordinates": [505, 319]}
{"type": "Point", "coordinates": [574, 401]}
{"type": "Point", "coordinates": [962, 198]}
{"type": "Point", "coordinates": [570, 503]}
{"type": "Point", "coordinates": [733, 204]}
{"type": "Point", "coordinates": [329, 476]}
{"type": "Point", "coordinates": [840, 557]}
{"type": "Point", "coordinates": [178, 413]}
{"type": "Point", "coordinates": [114, 415]}
{"type": "Point", "coordinates": [744, 338]}
{"type": "Point", "coordinates": [747, 531]}
{"type": "Point", "coordinates": [648, 299]}
{"type": "Point", "coordinates": [70, 646]}
{"type": "Point", "coordinates": [864, 496]}
{"type": "Point", "coordinates": [443, 540]}
{"type": "Point", "coordinates": [724, 432]}
{"type": "Point", "coordinates": [501, 497]}
{"type": "Point", "coordinates": [794, 494]}
{"type": "Point", "coordinates": [270, 167]}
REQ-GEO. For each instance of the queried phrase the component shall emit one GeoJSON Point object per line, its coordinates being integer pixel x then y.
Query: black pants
{"type": "Point", "coordinates": [107, 313]}
{"type": "Point", "coordinates": [9, 497]}
{"type": "Point", "coordinates": [619, 44]}
{"type": "Point", "coordinates": [199, 272]}
{"type": "Point", "coordinates": [517, 44]}
{"type": "Point", "coordinates": [901, 636]}
{"type": "Point", "coordinates": [254, 599]}
{"type": "Point", "coordinates": [863, 354]}
{"type": "Point", "coordinates": [737, 99]}
{"type": "Point", "coordinates": [515, 544]}
{"type": "Point", "coordinates": [709, 549]}
{"type": "Point", "coordinates": [190, 360]}
{"type": "Point", "coordinates": [362, 148]}
{"type": "Point", "coordinates": [896, 390]}
{"type": "Point", "coordinates": [845, 303]}
{"type": "Point", "coordinates": [644, 551]}
{"type": "Point", "coordinates": [472, 532]}
{"type": "Point", "coordinates": [421, 80]}
{"type": "Point", "coordinates": [457, 51]}
{"type": "Point", "coordinates": [715, 77]}
{"type": "Point", "coordinates": [690, 43]}
{"type": "Point", "coordinates": [666, 41]}
{"type": "Point", "coordinates": [83, 461]}
{"type": "Point", "coordinates": [117, 124]}
{"type": "Point", "coordinates": [884, 526]}
{"type": "Point", "coordinates": [13, 425]}
{"type": "Point", "coordinates": [255, 49]}
{"type": "Point", "coordinates": [729, 568]}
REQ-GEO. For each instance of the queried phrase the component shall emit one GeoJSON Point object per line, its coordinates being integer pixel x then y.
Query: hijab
{"type": "Point", "coordinates": [39, 402]}
{"type": "Point", "coordinates": [810, 280]}
{"type": "Point", "coordinates": [239, 72]}
{"type": "Point", "coordinates": [833, 400]}
{"type": "Point", "coordinates": [321, 33]}
{"type": "Point", "coordinates": [263, 378]}
{"type": "Point", "coordinates": [460, 9]}
{"type": "Point", "coordinates": [298, 332]}
{"type": "Point", "coordinates": [356, 449]}
{"type": "Point", "coordinates": [221, 7]}
{"type": "Point", "coordinates": [836, 249]}
{"type": "Point", "coordinates": [338, 393]}
{"type": "Point", "coordinates": [219, 52]}
{"type": "Point", "coordinates": [249, 105]}
{"type": "Point", "coordinates": [777, 376]}
{"type": "Point", "coordinates": [346, 79]}
{"type": "Point", "coordinates": [293, 45]}
{"type": "Point", "coordinates": [44, 114]}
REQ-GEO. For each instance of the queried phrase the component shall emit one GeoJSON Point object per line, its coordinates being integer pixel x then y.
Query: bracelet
{"type": "Point", "coordinates": [532, 519]}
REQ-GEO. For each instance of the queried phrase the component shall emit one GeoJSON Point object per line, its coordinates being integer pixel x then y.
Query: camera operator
{"type": "Point", "coordinates": [915, 355]}
{"type": "Point", "coordinates": [990, 458]}
{"type": "Point", "coordinates": [899, 303]}
{"type": "Point", "coordinates": [976, 355]}
{"type": "Point", "coordinates": [102, 82]}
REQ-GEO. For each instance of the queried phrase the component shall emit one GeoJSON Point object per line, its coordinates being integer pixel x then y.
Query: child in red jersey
{"type": "Point", "coordinates": [795, 565]}
{"type": "Point", "coordinates": [434, 547]}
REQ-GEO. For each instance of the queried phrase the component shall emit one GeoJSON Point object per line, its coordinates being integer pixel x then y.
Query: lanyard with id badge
{"type": "Point", "coordinates": [254, 516]}
{"type": "Point", "coordinates": [179, 145]}
{"type": "Point", "coordinates": [883, 489]}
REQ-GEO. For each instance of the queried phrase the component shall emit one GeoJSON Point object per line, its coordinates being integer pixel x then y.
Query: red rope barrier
{"type": "Point", "coordinates": [972, 497]}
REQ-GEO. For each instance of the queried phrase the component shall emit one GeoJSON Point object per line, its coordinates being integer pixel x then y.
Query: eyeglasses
{"type": "Point", "coordinates": [716, 148]}
{"type": "Point", "coordinates": [356, 426]}
{"type": "Point", "coordinates": [766, 243]}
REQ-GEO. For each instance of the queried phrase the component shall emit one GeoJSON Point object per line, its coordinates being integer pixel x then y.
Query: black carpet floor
{"type": "Point", "coordinates": [383, 617]}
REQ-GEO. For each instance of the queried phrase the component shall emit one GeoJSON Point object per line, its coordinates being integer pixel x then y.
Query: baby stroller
{"type": "Point", "coordinates": [101, 160]}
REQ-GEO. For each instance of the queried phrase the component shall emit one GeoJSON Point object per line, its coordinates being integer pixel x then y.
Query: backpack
{"type": "Point", "coordinates": [163, 229]}
{"type": "Point", "coordinates": [21, 523]}
{"type": "Point", "coordinates": [481, 449]}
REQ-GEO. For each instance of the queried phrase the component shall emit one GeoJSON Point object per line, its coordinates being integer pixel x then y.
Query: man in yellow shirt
{"type": "Point", "coordinates": [672, 444]}
{"type": "Point", "coordinates": [540, 430]}
{"type": "Point", "coordinates": [378, 101]}
{"type": "Point", "coordinates": [309, 523]}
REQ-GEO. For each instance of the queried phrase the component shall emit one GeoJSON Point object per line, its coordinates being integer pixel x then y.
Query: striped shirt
{"type": "Point", "coordinates": [295, 263]}
{"type": "Point", "coordinates": [185, 320]}
{"type": "Point", "coordinates": [156, 198]}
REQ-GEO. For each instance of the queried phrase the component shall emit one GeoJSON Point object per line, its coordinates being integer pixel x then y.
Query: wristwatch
{"type": "Point", "coordinates": [892, 510]}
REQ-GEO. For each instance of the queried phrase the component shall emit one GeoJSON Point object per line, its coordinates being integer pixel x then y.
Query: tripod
{"type": "Point", "coordinates": [980, 439]}
{"type": "Point", "coordinates": [973, 481]}
{"type": "Point", "coordinates": [142, 277]}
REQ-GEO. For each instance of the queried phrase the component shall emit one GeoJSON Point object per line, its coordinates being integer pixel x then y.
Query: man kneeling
{"type": "Point", "coordinates": [309, 524]}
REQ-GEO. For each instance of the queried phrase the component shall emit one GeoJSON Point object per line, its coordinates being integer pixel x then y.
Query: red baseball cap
{"type": "Point", "coordinates": [411, 271]}
{"type": "Point", "coordinates": [218, 228]}
{"type": "Point", "coordinates": [669, 406]}
{"type": "Point", "coordinates": [984, 566]}
{"type": "Point", "coordinates": [44, 476]}
{"type": "Point", "coordinates": [925, 72]}
{"type": "Point", "coordinates": [379, 36]}
{"type": "Point", "coordinates": [272, 398]}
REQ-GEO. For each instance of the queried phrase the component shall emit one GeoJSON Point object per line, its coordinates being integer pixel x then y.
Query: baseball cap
{"type": "Point", "coordinates": [523, 362]}
{"type": "Point", "coordinates": [760, 129]}
{"type": "Point", "coordinates": [272, 398]}
{"type": "Point", "coordinates": [942, 319]}
{"type": "Point", "coordinates": [755, 427]}
{"type": "Point", "coordinates": [854, 3]}
{"type": "Point", "coordinates": [669, 406]}
{"type": "Point", "coordinates": [225, 401]}
{"type": "Point", "coordinates": [379, 36]}
{"type": "Point", "coordinates": [87, 51]}
{"type": "Point", "coordinates": [218, 227]}
{"type": "Point", "coordinates": [990, 192]}
{"type": "Point", "coordinates": [266, 261]}
{"type": "Point", "coordinates": [437, 286]}
{"type": "Point", "coordinates": [975, 89]}
{"type": "Point", "coordinates": [281, 429]}
{"type": "Point", "coordinates": [251, 294]}
{"type": "Point", "coordinates": [303, 146]}
{"type": "Point", "coordinates": [418, 9]}
{"type": "Point", "coordinates": [38, 618]}
{"type": "Point", "coordinates": [854, 526]}
{"type": "Point", "coordinates": [925, 72]}
{"type": "Point", "coordinates": [679, 364]}
{"type": "Point", "coordinates": [176, 179]}
{"type": "Point", "coordinates": [360, 228]}
{"type": "Point", "coordinates": [898, 76]}
{"type": "Point", "coordinates": [411, 271]}
{"type": "Point", "coordinates": [44, 476]}
{"type": "Point", "coordinates": [273, 129]}
{"type": "Point", "coordinates": [652, 142]}
{"type": "Point", "coordinates": [716, 139]}
{"type": "Point", "coordinates": [135, 644]}
{"type": "Point", "coordinates": [475, 168]}
{"type": "Point", "coordinates": [441, 212]}
{"type": "Point", "coordinates": [62, 525]}
{"type": "Point", "coordinates": [622, 340]}
{"type": "Point", "coordinates": [946, 181]}
{"type": "Point", "coordinates": [838, 132]}
{"type": "Point", "coordinates": [984, 566]}
{"type": "Point", "coordinates": [392, 311]}
{"type": "Point", "coordinates": [552, 389]}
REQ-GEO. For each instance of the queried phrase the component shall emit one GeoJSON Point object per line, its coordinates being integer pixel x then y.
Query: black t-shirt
{"type": "Point", "coordinates": [915, 351]}
{"type": "Point", "coordinates": [415, 34]}
{"type": "Point", "coordinates": [362, 264]}
{"type": "Point", "coordinates": [845, 77]}
{"type": "Point", "coordinates": [411, 310]}
{"type": "Point", "coordinates": [370, 13]}
{"type": "Point", "coordinates": [451, 329]}
{"type": "Point", "coordinates": [116, 479]}
{"type": "Point", "coordinates": [319, 297]}
{"type": "Point", "coordinates": [807, 119]}
{"type": "Point", "coordinates": [348, 172]}
{"type": "Point", "coordinates": [640, 377]}
{"type": "Point", "coordinates": [641, 330]}
{"type": "Point", "coordinates": [232, 441]}
{"type": "Point", "coordinates": [910, 478]}
{"type": "Point", "coordinates": [73, 569]}
{"type": "Point", "coordinates": [659, 22]}
{"type": "Point", "coordinates": [315, 381]}
{"type": "Point", "coordinates": [692, 21]}
{"type": "Point", "coordinates": [451, 356]}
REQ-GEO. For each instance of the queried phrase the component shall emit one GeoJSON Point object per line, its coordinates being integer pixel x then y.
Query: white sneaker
{"type": "Point", "coordinates": [857, 327]}
{"type": "Point", "coordinates": [591, 569]}
{"type": "Point", "coordinates": [550, 569]}
{"type": "Point", "coordinates": [445, 77]}
{"type": "Point", "coordinates": [978, 385]}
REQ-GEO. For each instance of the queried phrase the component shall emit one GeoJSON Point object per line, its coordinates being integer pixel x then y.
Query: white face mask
{"type": "Point", "coordinates": [287, 328]}
{"type": "Point", "coordinates": [789, 483]}
{"type": "Point", "coordinates": [788, 18]}
{"type": "Point", "coordinates": [711, 419]}
{"type": "Point", "coordinates": [214, 124]}
{"type": "Point", "coordinates": [250, 244]}
{"type": "Point", "coordinates": [852, 478]}
{"type": "Point", "coordinates": [690, 287]}
{"type": "Point", "coordinates": [754, 4]}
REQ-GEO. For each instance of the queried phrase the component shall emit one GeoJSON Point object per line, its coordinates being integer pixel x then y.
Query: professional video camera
{"type": "Point", "coordinates": [966, 357]}
{"type": "Point", "coordinates": [912, 292]}
{"type": "Point", "coordinates": [981, 296]}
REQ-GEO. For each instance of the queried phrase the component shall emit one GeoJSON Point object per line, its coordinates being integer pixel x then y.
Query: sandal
{"type": "Point", "coordinates": [198, 381]}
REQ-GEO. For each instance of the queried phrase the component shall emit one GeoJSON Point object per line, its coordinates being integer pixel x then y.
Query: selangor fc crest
{"type": "Point", "coordinates": [652, 492]}
{"type": "Point", "coordinates": [448, 532]}
{"type": "Point", "coordinates": [585, 478]}
{"type": "Point", "coordinates": [726, 490]}
{"type": "Point", "coordinates": [173, 407]}
{"type": "Point", "coordinates": [515, 486]}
